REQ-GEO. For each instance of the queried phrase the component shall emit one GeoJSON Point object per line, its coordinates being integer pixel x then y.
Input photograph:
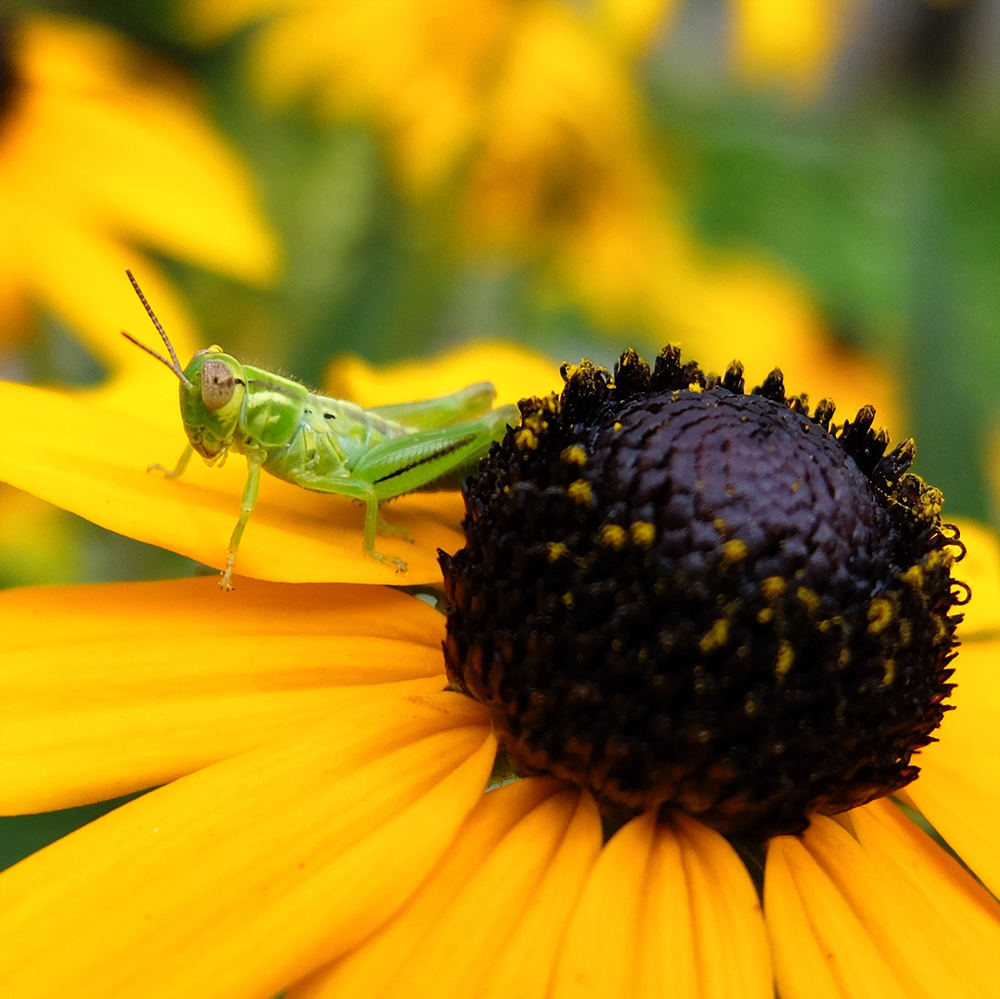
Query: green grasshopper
{"type": "Point", "coordinates": [327, 445]}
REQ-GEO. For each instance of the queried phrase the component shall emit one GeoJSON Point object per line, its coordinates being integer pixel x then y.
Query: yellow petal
{"type": "Point", "coordinates": [79, 275]}
{"type": "Point", "coordinates": [110, 689]}
{"type": "Point", "coordinates": [246, 876]}
{"type": "Point", "coordinates": [889, 916]}
{"type": "Point", "coordinates": [103, 149]}
{"type": "Point", "coordinates": [631, 26]}
{"type": "Point", "coordinates": [980, 569]}
{"type": "Point", "coordinates": [91, 459]}
{"type": "Point", "coordinates": [959, 784]}
{"type": "Point", "coordinates": [792, 41]}
{"type": "Point", "coordinates": [957, 920]}
{"type": "Point", "coordinates": [666, 912]}
{"type": "Point", "coordinates": [820, 947]}
{"type": "Point", "coordinates": [515, 371]}
{"type": "Point", "coordinates": [599, 955]}
{"type": "Point", "coordinates": [144, 161]}
{"type": "Point", "coordinates": [730, 941]}
{"type": "Point", "coordinates": [504, 891]}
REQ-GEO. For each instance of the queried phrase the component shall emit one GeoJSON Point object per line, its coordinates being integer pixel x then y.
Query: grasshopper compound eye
{"type": "Point", "coordinates": [217, 384]}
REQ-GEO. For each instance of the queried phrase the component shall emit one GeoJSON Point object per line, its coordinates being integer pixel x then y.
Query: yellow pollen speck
{"type": "Point", "coordinates": [557, 550]}
{"type": "Point", "coordinates": [796, 486]}
{"type": "Point", "coordinates": [735, 551]}
{"type": "Point", "coordinates": [888, 672]}
{"type": "Point", "coordinates": [844, 659]}
{"type": "Point", "coordinates": [751, 706]}
{"type": "Point", "coordinates": [643, 533]}
{"type": "Point", "coordinates": [580, 491]}
{"type": "Point", "coordinates": [764, 615]}
{"type": "Point", "coordinates": [643, 655]}
{"type": "Point", "coordinates": [810, 599]}
{"type": "Point", "coordinates": [772, 587]}
{"type": "Point", "coordinates": [786, 656]}
{"type": "Point", "coordinates": [574, 455]}
{"type": "Point", "coordinates": [612, 536]}
{"type": "Point", "coordinates": [914, 576]}
{"type": "Point", "coordinates": [695, 387]}
{"type": "Point", "coordinates": [567, 600]}
{"type": "Point", "coordinates": [716, 636]}
{"type": "Point", "coordinates": [905, 633]}
{"type": "Point", "coordinates": [719, 524]}
{"type": "Point", "coordinates": [570, 369]}
{"type": "Point", "coordinates": [879, 615]}
{"type": "Point", "coordinates": [942, 557]}
{"type": "Point", "coordinates": [526, 438]}
{"type": "Point", "coordinates": [618, 427]}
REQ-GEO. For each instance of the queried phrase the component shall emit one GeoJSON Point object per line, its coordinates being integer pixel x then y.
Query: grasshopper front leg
{"type": "Point", "coordinates": [178, 471]}
{"type": "Point", "coordinates": [254, 461]}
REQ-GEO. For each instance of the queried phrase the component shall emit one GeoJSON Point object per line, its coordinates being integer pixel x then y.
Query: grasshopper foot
{"type": "Point", "coordinates": [397, 563]}
{"type": "Point", "coordinates": [226, 579]}
{"type": "Point", "coordinates": [168, 473]}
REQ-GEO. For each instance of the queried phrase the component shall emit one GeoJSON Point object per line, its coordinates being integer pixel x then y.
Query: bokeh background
{"type": "Point", "coordinates": [813, 184]}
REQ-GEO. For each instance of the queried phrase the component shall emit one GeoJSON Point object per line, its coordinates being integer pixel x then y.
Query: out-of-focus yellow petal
{"type": "Point", "coordinates": [78, 274]}
{"type": "Point", "coordinates": [958, 789]}
{"type": "Point", "coordinates": [518, 862]}
{"type": "Point", "coordinates": [515, 371]}
{"type": "Point", "coordinates": [115, 688]}
{"type": "Point", "coordinates": [792, 41]}
{"type": "Point", "coordinates": [980, 569]}
{"type": "Point", "coordinates": [889, 916]}
{"type": "Point", "coordinates": [100, 148]}
{"type": "Point", "coordinates": [635, 264]}
{"type": "Point", "coordinates": [253, 872]}
{"type": "Point", "coordinates": [90, 458]}
{"type": "Point", "coordinates": [630, 25]}
{"type": "Point", "coordinates": [423, 81]}
{"type": "Point", "coordinates": [666, 911]}
{"type": "Point", "coordinates": [144, 162]}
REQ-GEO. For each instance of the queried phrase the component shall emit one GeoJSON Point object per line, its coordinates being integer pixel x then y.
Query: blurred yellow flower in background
{"type": "Point", "coordinates": [102, 151]}
{"type": "Point", "coordinates": [788, 41]}
{"type": "Point", "coordinates": [527, 114]}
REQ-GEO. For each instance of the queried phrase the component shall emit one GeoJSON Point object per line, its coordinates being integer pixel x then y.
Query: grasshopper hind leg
{"type": "Point", "coordinates": [392, 530]}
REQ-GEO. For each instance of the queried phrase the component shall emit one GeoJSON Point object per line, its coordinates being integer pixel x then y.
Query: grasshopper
{"type": "Point", "coordinates": [324, 444]}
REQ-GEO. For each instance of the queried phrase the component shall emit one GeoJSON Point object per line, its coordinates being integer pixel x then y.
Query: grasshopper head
{"type": "Point", "coordinates": [211, 401]}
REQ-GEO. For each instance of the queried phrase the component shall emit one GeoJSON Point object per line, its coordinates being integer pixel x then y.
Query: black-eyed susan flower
{"type": "Point", "coordinates": [526, 116]}
{"type": "Point", "coordinates": [103, 150]}
{"type": "Point", "coordinates": [321, 825]}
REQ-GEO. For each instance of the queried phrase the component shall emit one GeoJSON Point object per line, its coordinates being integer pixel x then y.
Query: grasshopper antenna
{"type": "Point", "coordinates": [175, 367]}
